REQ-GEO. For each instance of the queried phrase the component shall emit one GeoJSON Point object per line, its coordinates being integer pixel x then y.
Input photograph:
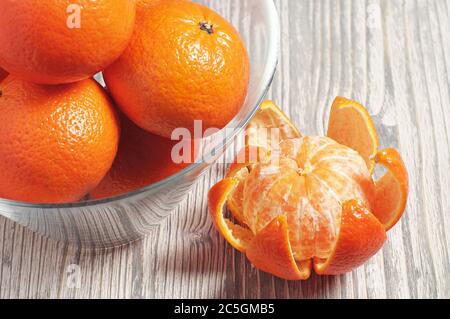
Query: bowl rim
{"type": "Point", "coordinates": [274, 38]}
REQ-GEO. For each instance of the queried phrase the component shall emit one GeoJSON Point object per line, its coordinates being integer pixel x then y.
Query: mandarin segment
{"type": "Point", "coordinates": [244, 162]}
{"type": "Point", "coordinates": [236, 199]}
{"type": "Point", "coordinates": [351, 125]}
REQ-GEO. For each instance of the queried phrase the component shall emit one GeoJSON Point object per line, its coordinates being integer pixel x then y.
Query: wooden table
{"type": "Point", "coordinates": [393, 56]}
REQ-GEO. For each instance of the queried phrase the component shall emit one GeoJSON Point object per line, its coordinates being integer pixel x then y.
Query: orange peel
{"type": "Point", "coordinates": [270, 116]}
{"type": "Point", "coordinates": [392, 189]}
{"type": "Point", "coordinates": [361, 236]}
{"type": "Point", "coordinates": [236, 235]}
{"type": "Point", "coordinates": [351, 125]}
{"type": "Point", "coordinates": [272, 243]}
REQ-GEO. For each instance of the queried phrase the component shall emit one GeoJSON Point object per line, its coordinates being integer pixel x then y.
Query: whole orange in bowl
{"type": "Point", "coordinates": [142, 159]}
{"type": "Point", "coordinates": [184, 63]}
{"type": "Point", "coordinates": [56, 142]}
{"type": "Point", "coordinates": [62, 41]}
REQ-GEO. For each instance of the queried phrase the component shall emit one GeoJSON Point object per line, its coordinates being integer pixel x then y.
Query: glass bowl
{"type": "Point", "coordinates": [122, 219]}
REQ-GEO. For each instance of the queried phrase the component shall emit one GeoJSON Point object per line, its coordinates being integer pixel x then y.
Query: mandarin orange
{"type": "Point", "coordinates": [62, 41]}
{"type": "Point", "coordinates": [56, 142]}
{"type": "Point", "coordinates": [313, 176]}
{"type": "Point", "coordinates": [310, 202]}
{"type": "Point", "coordinates": [184, 63]}
{"type": "Point", "coordinates": [142, 159]}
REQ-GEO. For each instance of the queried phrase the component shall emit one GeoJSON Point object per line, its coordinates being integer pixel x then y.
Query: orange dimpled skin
{"type": "Point", "coordinates": [62, 41]}
{"type": "Point", "coordinates": [184, 63]}
{"type": "Point", "coordinates": [56, 142]}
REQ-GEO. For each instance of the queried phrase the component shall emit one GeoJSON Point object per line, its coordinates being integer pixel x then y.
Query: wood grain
{"type": "Point", "coordinates": [394, 57]}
